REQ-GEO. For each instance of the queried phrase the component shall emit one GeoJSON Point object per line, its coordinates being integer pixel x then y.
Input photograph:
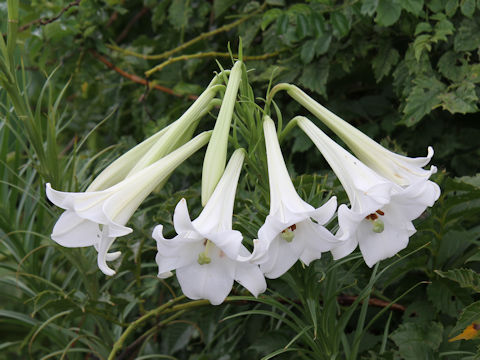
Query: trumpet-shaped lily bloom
{"type": "Point", "coordinates": [98, 217]}
{"type": "Point", "coordinates": [402, 170]}
{"type": "Point", "coordinates": [380, 216]}
{"type": "Point", "coordinates": [204, 253]}
{"type": "Point", "coordinates": [293, 229]}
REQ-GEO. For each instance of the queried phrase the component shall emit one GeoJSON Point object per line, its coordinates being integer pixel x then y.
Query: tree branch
{"type": "Point", "coordinates": [138, 79]}
{"type": "Point", "coordinates": [45, 21]}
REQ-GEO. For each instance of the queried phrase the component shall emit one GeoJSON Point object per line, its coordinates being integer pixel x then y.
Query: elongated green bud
{"type": "Point", "coordinates": [216, 154]}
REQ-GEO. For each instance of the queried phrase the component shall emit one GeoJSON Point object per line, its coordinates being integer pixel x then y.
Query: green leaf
{"type": "Point", "coordinates": [463, 100]}
{"type": "Point", "coordinates": [318, 23]}
{"type": "Point", "coordinates": [322, 43]}
{"type": "Point", "coordinates": [451, 7]}
{"type": "Point", "coordinates": [388, 12]}
{"type": "Point", "coordinates": [466, 278]}
{"type": "Point", "coordinates": [179, 13]}
{"type": "Point", "coordinates": [302, 29]}
{"type": "Point", "coordinates": [220, 6]}
{"type": "Point", "coordinates": [422, 43]}
{"type": "Point", "coordinates": [447, 297]}
{"type": "Point", "coordinates": [282, 24]}
{"type": "Point", "coordinates": [467, 7]}
{"type": "Point", "coordinates": [315, 76]}
{"type": "Point", "coordinates": [369, 7]}
{"type": "Point", "coordinates": [418, 340]}
{"type": "Point", "coordinates": [422, 99]}
{"type": "Point", "coordinates": [340, 24]}
{"type": "Point", "coordinates": [447, 65]}
{"type": "Point", "coordinates": [468, 36]}
{"type": "Point", "coordinates": [308, 51]}
{"type": "Point", "coordinates": [413, 6]}
{"type": "Point", "coordinates": [443, 28]}
{"type": "Point", "coordinates": [382, 64]}
{"type": "Point", "coordinates": [423, 27]}
{"type": "Point", "coordinates": [270, 16]}
{"type": "Point", "coordinates": [468, 316]}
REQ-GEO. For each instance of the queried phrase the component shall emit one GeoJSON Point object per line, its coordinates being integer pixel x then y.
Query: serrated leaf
{"type": "Point", "coordinates": [468, 36]}
{"type": "Point", "coordinates": [382, 64]}
{"type": "Point", "coordinates": [448, 68]}
{"type": "Point", "coordinates": [302, 29]}
{"type": "Point", "coordinates": [315, 76]}
{"type": "Point", "coordinates": [442, 29]}
{"type": "Point", "coordinates": [270, 16]}
{"type": "Point", "coordinates": [422, 99]}
{"type": "Point", "coordinates": [413, 6]}
{"type": "Point", "coordinates": [418, 340]}
{"type": "Point", "coordinates": [451, 7]}
{"type": "Point", "coordinates": [468, 316]}
{"type": "Point", "coordinates": [422, 43]}
{"type": "Point", "coordinates": [369, 7]}
{"type": "Point", "coordinates": [463, 100]}
{"type": "Point", "coordinates": [467, 7]}
{"type": "Point", "coordinates": [466, 278]}
{"type": "Point", "coordinates": [388, 12]}
{"type": "Point", "coordinates": [322, 43]}
{"type": "Point", "coordinates": [282, 24]}
{"type": "Point", "coordinates": [179, 13]}
{"type": "Point", "coordinates": [307, 51]}
{"type": "Point", "coordinates": [447, 298]}
{"type": "Point", "coordinates": [340, 24]}
{"type": "Point", "coordinates": [423, 27]}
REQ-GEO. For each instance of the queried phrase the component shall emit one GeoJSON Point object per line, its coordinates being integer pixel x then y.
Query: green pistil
{"type": "Point", "coordinates": [287, 235]}
{"type": "Point", "coordinates": [203, 258]}
{"type": "Point", "coordinates": [378, 226]}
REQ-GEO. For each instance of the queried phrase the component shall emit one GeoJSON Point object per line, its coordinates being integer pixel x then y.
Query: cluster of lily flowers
{"type": "Point", "coordinates": [386, 192]}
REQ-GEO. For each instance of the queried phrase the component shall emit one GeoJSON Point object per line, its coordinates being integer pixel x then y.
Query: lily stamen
{"type": "Point", "coordinates": [203, 257]}
{"type": "Point", "coordinates": [378, 225]}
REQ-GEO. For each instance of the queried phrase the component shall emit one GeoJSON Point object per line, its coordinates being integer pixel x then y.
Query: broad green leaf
{"type": "Point", "coordinates": [179, 13]}
{"type": "Point", "coordinates": [447, 65]}
{"type": "Point", "coordinates": [388, 12]}
{"type": "Point", "coordinates": [466, 278]}
{"type": "Point", "coordinates": [422, 99]}
{"type": "Point", "coordinates": [423, 27]}
{"type": "Point", "coordinates": [467, 7]}
{"type": "Point", "coordinates": [446, 297]}
{"type": "Point", "coordinates": [422, 43]}
{"type": "Point", "coordinates": [369, 7]}
{"type": "Point", "coordinates": [462, 100]}
{"type": "Point", "coordinates": [418, 340]}
{"type": "Point", "coordinates": [442, 29]}
{"type": "Point", "coordinates": [315, 76]}
{"type": "Point", "coordinates": [220, 6]}
{"type": "Point", "coordinates": [318, 23]}
{"type": "Point", "coordinates": [382, 64]}
{"type": "Point", "coordinates": [468, 36]}
{"type": "Point", "coordinates": [270, 16]}
{"type": "Point", "coordinates": [340, 24]}
{"type": "Point", "coordinates": [413, 6]}
{"type": "Point", "coordinates": [322, 43]}
{"type": "Point", "coordinates": [308, 51]}
{"type": "Point", "coordinates": [302, 29]}
{"type": "Point", "coordinates": [282, 24]}
{"type": "Point", "coordinates": [451, 7]}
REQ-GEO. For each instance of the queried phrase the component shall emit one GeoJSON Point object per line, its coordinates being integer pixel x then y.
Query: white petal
{"type": "Point", "coordinates": [71, 230]}
{"type": "Point", "coordinates": [209, 281]}
{"type": "Point", "coordinates": [380, 246]}
{"type": "Point", "coordinates": [345, 247]}
{"type": "Point", "coordinates": [250, 277]}
{"type": "Point", "coordinates": [316, 239]}
{"type": "Point", "coordinates": [181, 218]}
{"type": "Point", "coordinates": [105, 244]}
{"type": "Point", "coordinates": [228, 241]}
{"type": "Point", "coordinates": [281, 257]}
{"type": "Point", "coordinates": [325, 212]}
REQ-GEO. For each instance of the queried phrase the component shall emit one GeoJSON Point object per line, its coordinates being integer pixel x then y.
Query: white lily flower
{"type": "Point", "coordinates": [293, 230]}
{"type": "Point", "coordinates": [400, 169]}
{"type": "Point", "coordinates": [98, 217]}
{"type": "Point", "coordinates": [381, 212]}
{"type": "Point", "coordinates": [204, 253]}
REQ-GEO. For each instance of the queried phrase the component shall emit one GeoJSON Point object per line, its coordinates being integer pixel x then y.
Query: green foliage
{"type": "Point", "coordinates": [404, 72]}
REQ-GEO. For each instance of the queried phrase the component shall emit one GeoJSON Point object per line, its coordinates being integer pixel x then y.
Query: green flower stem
{"type": "Point", "coordinates": [152, 313]}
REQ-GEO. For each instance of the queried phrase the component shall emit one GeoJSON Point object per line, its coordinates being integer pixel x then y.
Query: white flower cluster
{"type": "Point", "coordinates": [386, 192]}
